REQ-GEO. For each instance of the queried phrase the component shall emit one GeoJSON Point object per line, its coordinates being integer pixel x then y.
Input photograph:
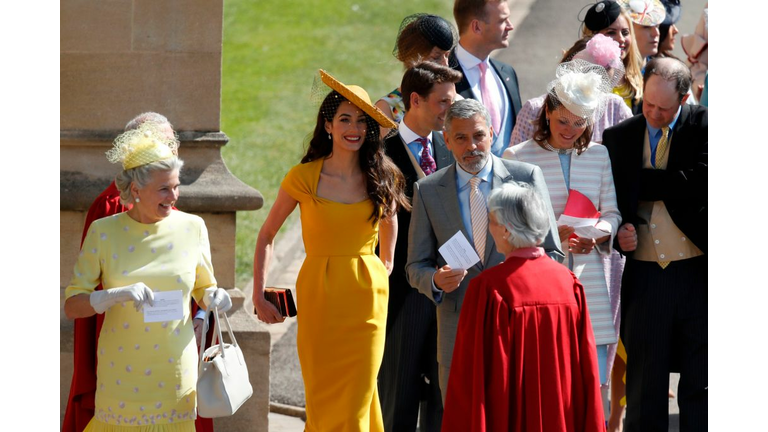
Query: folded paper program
{"type": "Point", "coordinates": [581, 214]}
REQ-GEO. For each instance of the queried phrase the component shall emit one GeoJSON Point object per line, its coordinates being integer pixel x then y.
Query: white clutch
{"type": "Point", "coordinates": [222, 381]}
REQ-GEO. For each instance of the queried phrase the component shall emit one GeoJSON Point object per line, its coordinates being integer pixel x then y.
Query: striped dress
{"type": "Point", "coordinates": [591, 175]}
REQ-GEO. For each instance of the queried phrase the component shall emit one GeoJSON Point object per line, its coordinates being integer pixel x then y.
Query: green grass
{"type": "Point", "coordinates": [272, 50]}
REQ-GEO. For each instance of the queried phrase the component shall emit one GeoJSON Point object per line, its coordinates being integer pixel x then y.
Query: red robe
{"type": "Point", "coordinates": [524, 358]}
{"type": "Point", "coordinates": [82, 393]}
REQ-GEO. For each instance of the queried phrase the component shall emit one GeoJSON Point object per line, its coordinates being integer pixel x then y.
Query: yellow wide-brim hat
{"type": "Point", "coordinates": [359, 98]}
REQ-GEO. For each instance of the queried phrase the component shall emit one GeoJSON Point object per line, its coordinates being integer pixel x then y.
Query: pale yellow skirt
{"type": "Point", "coordinates": [99, 426]}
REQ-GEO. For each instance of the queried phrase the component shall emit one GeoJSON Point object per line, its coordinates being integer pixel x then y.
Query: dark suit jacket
{"type": "Point", "coordinates": [508, 77]}
{"type": "Point", "coordinates": [682, 186]}
{"type": "Point", "coordinates": [398, 283]}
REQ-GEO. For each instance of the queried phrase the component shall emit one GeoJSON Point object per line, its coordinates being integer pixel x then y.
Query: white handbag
{"type": "Point", "coordinates": [222, 380]}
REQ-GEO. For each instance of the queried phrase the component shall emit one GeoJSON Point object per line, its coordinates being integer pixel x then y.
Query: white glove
{"type": "Point", "coordinates": [138, 292]}
{"type": "Point", "coordinates": [217, 297]}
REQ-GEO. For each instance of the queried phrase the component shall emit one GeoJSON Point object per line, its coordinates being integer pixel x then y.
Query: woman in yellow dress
{"type": "Point", "coordinates": [349, 192]}
{"type": "Point", "coordinates": [147, 371]}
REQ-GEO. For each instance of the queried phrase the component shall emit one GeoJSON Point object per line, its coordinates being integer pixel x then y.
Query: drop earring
{"type": "Point", "coordinates": [137, 200]}
{"type": "Point", "coordinates": [330, 137]}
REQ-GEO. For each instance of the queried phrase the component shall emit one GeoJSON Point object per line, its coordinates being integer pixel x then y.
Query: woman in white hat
{"type": "Point", "coordinates": [349, 192]}
{"type": "Point", "coordinates": [600, 50]}
{"type": "Point", "coordinates": [563, 149]}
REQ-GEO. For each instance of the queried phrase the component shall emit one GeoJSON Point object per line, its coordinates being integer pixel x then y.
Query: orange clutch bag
{"type": "Point", "coordinates": [282, 299]}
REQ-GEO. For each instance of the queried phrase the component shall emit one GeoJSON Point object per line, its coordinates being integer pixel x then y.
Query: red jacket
{"type": "Point", "coordinates": [524, 358]}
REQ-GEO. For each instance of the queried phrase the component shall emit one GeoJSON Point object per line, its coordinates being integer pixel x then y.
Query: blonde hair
{"type": "Point", "coordinates": [633, 62]}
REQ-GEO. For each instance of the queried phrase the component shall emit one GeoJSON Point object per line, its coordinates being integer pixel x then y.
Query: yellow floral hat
{"type": "Point", "coordinates": [142, 146]}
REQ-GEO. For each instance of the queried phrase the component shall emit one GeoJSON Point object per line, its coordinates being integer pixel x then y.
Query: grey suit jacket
{"type": "Point", "coordinates": [436, 217]}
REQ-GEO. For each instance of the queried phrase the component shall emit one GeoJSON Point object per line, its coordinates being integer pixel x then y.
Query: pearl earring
{"type": "Point", "coordinates": [137, 200]}
{"type": "Point", "coordinates": [330, 137]}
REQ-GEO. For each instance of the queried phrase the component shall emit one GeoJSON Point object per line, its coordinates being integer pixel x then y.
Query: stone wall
{"type": "Point", "coordinates": [119, 58]}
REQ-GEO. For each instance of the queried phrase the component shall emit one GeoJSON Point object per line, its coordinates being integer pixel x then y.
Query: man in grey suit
{"type": "Point", "coordinates": [454, 199]}
{"type": "Point", "coordinates": [408, 371]}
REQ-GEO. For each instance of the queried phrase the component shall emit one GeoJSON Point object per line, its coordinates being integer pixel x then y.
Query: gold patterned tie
{"type": "Point", "coordinates": [478, 217]}
{"type": "Point", "coordinates": [661, 147]}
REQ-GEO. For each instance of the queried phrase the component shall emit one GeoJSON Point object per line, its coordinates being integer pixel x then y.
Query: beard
{"type": "Point", "coordinates": [475, 165]}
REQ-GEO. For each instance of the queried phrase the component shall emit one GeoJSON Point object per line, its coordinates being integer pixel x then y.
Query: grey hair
{"type": "Point", "coordinates": [670, 69]}
{"type": "Point", "coordinates": [145, 117]}
{"type": "Point", "coordinates": [522, 211]}
{"type": "Point", "coordinates": [141, 176]}
{"type": "Point", "coordinates": [466, 109]}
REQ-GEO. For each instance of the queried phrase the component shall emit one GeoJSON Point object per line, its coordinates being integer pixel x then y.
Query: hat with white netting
{"type": "Point", "coordinates": [582, 88]}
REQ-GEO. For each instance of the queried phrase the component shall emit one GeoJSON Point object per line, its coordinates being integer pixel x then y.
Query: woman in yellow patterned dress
{"type": "Point", "coordinates": [147, 371]}
{"type": "Point", "coordinates": [348, 192]}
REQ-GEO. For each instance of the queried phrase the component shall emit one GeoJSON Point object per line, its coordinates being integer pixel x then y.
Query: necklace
{"type": "Point", "coordinates": [549, 147]}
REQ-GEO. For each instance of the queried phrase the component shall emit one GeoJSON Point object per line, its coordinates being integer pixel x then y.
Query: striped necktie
{"type": "Point", "coordinates": [478, 216]}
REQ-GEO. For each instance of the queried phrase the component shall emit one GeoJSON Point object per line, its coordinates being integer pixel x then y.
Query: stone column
{"type": "Point", "coordinates": [120, 58]}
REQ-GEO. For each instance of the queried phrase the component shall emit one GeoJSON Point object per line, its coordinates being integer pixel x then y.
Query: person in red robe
{"type": "Point", "coordinates": [82, 391]}
{"type": "Point", "coordinates": [525, 357]}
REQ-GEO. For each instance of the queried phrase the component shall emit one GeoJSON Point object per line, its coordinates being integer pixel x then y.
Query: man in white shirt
{"type": "Point", "coordinates": [484, 27]}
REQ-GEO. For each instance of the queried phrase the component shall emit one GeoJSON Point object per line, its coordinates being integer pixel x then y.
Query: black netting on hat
{"type": "Point", "coordinates": [601, 15]}
{"type": "Point", "coordinates": [327, 101]}
{"type": "Point", "coordinates": [421, 32]}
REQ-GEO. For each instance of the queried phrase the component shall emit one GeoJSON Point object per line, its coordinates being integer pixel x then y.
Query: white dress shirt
{"type": "Point", "coordinates": [409, 137]}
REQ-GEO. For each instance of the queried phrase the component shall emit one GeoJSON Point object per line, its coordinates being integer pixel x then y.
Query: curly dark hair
{"type": "Point", "coordinates": [384, 183]}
